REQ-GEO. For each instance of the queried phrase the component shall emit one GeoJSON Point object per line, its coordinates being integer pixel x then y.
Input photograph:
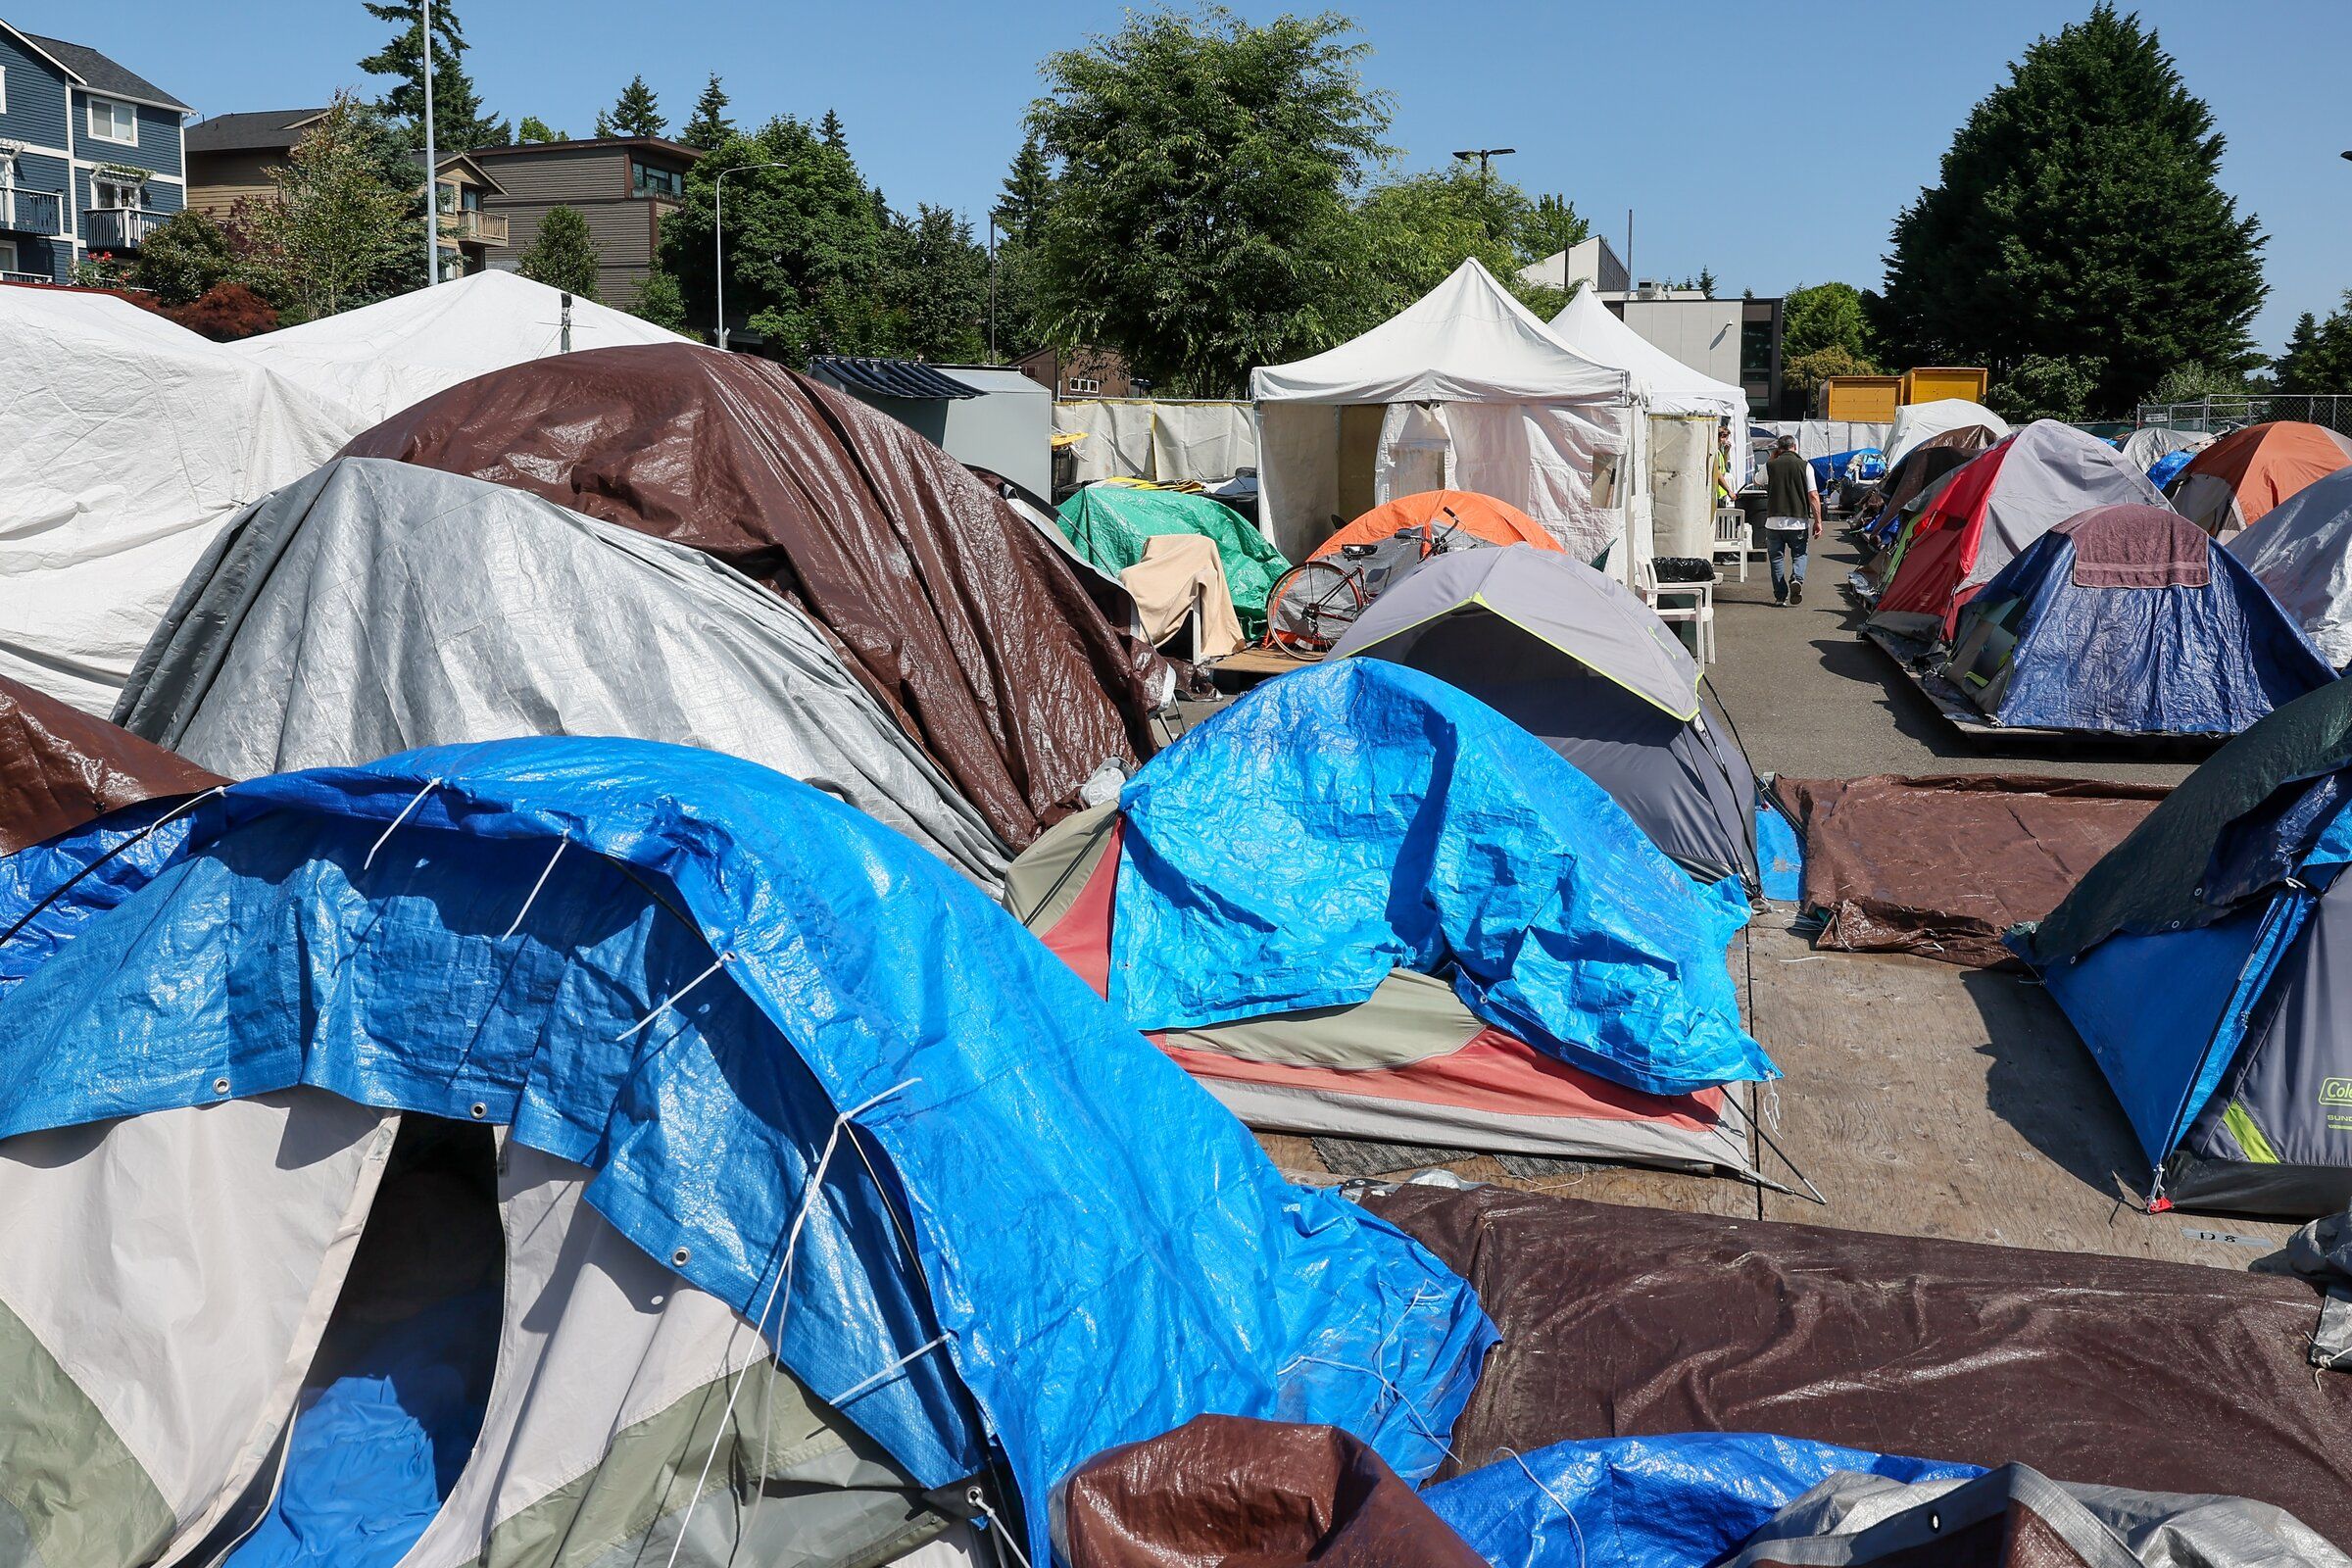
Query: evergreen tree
{"type": "Point", "coordinates": [829, 130]}
{"type": "Point", "coordinates": [1028, 192]}
{"type": "Point", "coordinates": [562, 255]}
{"type": "Point", "coordinates": [635, 114]}
{"type": "Point", "coordinates": [1553, 227]}
{"type": "Point", "coordinates": [1706, 282]}
{"type": "Point", "coordinates": [2319, 354]}
{"type": "Point", "coordinates": [935, 286]}
{"type": "Point", "coordinates": [2079, 216]}
{"type": "Point", "coordinates": [458, 119]}
{"type": "Point", "coordinates": [535, 129]}
{"type": "Point", "coordinates": [709, 124]}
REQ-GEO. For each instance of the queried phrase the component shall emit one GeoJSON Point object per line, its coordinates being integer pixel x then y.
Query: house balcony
{"type": "Point", "coordinates": [32, 212]}
{"type": "Point", "coordinates": [120, 229]}
{"type": "Point", "coordinates": [474, 228]}
{"type": "Point", "coordinates": [25, 277]}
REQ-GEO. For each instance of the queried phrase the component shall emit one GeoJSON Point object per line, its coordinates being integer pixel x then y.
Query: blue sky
{"type": "Point", "coordinates": [1771, 142]}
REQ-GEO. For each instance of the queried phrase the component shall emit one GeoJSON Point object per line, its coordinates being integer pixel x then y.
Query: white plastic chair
{"type": "Point", "coordinates": [1733, 537]}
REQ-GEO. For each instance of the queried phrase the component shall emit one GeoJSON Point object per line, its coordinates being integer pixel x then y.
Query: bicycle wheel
{"type": "Point", "coordinates": [1312, 607]}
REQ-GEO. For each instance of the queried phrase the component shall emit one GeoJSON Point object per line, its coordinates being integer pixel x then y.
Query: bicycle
{"type": "Point", "coordinates": [1312, 606]}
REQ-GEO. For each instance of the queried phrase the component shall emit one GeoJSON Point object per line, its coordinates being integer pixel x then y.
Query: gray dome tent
{"type": "Point", "coordinates": [1577, 661]}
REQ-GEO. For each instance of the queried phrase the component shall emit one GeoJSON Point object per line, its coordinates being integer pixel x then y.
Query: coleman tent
{"type": "Point", "coordinates": [1359, 903]}
{"type": "Point", "coordinates": [377, 359]}
{"type": "Point", "coordinates": [781, 1230]}
{"type": "Point", "coordinates": [2301, 551]}
{"type": "Point", "coordinates": [1111, 526]}
{"type": "Point", "coordinates": [2202, 960]}
{"type": "Point", "coordinates": [1915, 423]}
{"type": "Point", "coordinates": [1577, 661]}
{"type": "Point", "coordinates": [1990, 511]}
{"type": "Point", "coordinates": [978, 637]}
{"type": "Point", "coordinates": [2129, 621]}
{"type": "Point", "coordinates": [1464, 389]}
{"type": "Point", "coordinates": [377, 607]}
{"type": "Point", "coordinates": [129, 443]}
{"type": "Point", "coordinates": [2234, 482]}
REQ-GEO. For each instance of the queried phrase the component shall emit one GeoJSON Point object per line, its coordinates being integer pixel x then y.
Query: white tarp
{"type": "Point", "coordinates": [2143, 446]}
{"type": "Point", "coordinates": [1915, 423]}
{"type": "Point", "coordinates": [2301, 550]}
{"type": "Point", "coordinates": [1823, 438]}
{"type": "Point", "coordinates": [383, 358]}
{"type": "Point", "coordinates": [1526, 416]}
{"type": "Point", "coordinates": [1164, 440]}
{"type": "Point", "coordinates": [126, 445]}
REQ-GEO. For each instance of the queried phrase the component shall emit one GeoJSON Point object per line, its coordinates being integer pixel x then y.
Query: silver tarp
{"type": "Point", "coordinates": [375, 607]}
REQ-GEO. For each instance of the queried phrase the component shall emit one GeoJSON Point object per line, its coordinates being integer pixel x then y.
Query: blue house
{"type": "Point", "coordinates": [90, 157]}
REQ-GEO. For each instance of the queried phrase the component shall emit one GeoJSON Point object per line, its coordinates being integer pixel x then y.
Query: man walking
{"type": "Point", "coordinates": [1792, 503]}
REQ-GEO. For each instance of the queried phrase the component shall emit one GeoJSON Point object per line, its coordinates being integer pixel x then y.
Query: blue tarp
{"type": "Point", "coordinates": [2165, 470]}
{"type": "Point", "coordinates": [2177, 660]}
{"type": "Point", "coordinates": [1648, 1502]}
{"type": "Point", "coordinates": [1046, 1160]}
{"type": "Point", "coordinates": [1362, 816]}
{"type": "Point", "coordinates": [1781, 854]}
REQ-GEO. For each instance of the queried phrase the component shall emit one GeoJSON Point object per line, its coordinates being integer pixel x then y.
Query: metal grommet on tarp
{"type": "Point", "coordinates": [679, 1258]}
{"type": "Point", "coordinates": [478, 1110]}
{"type": "Point", "coordinates": [219, 1086]}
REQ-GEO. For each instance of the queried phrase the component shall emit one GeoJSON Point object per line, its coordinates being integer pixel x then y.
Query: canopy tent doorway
{"type": "Point", "coordinates": [1464, 389]}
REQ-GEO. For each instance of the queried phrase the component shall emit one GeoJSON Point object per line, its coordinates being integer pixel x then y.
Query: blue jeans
{"type": "Point", "coordinates": [1791, 543]}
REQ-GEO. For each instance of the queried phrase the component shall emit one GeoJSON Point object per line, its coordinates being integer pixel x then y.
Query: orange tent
{"type": "Point", "coordinates": [2232, 482]}
{"type": "Point", "coordinates": [1495, 521]}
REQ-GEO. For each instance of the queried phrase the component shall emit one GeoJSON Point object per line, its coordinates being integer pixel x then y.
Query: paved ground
{"type": "Point", "coordinates": [1809, 697]}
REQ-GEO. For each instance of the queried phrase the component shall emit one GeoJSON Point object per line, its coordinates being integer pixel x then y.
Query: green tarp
{"type": "Point", "coordinates": [1110, 524]}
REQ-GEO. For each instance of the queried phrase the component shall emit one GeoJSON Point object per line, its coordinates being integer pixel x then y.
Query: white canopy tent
{"type": "Point", "coordinates": [1915, 423]}
{"type": "Point", "coordinates": [383, 358]}
{"type": "Point", "coordinates": [1473, 392]}
{"type": "Point", "coordinates": [130, 441]}
{"type": "Point", "coordinates": [1662, 381]}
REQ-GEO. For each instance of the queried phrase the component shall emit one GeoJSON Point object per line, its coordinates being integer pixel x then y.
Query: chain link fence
{"type": "Point", "coordinates": [2214, 414]}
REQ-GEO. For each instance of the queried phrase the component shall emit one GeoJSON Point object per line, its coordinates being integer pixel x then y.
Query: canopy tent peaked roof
{"type": "Point", "coordinates": [1659, 380]}
{"type": "Point", "coordinates": [1468, 340]}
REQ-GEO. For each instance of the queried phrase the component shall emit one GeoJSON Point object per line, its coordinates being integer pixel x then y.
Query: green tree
{"type": "Point", "coordinates": [458, 119]}
{"type": "Point", "coordinates": [1020, 214]}
{"type": "Point", "coordinates": [341, 230]}
{"type": "Point", "coordinates": [804, 252]}
{"type": "Point", "coordinates": [2193, 383]}
{"type": "Point", "coordinates": [659, 301]}
{"type": "Point", "coordinates": [2079, 216]}
{"type": "Point", "coordinates": [2319, 354]}
{"type": "Point", "coordinates": [636, 113]}
{"type": "Point", "coordinates": [1020, 210]}
{"type": "Point", "coordinates": [708, 126]}
{"type": "Point", "coordinates": [829, 131]}
{"type": "Point", "coordinates": [1552, 226]}
{"type": "Point", "coordinates": [1199, 224]}
{"type": "Point", "coordinates": [1412, 230]}
{"type": "Point", "coordinates": [1706, 282]}
{"type": "Point", "coordinates": [1827, 316]}
{"type": "Point", "coordinates": [2043, 386]}
{"type": "Point", "coordinates": [562, 255]}
{"type": "Point", "coordinates": [935, 286]}
{"type": "Point", "coordinates": [1803, 373]}
{"type": "Point", "coordinates": [184, 257]}
{"type": "Point", "coordinates": [535, 129]}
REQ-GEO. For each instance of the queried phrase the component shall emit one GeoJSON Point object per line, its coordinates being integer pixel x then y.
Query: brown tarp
{"type": "Point", "coordinates": [59, 768]}
{"type": "Point", "coordinates": [1941, 866]}
{"type": "Point", "coordinates": [975, 633]}
{"type": "Point", "coordinates": [1636, 1322]}
{"type": "Point", "coordinates": [1221, 1492]}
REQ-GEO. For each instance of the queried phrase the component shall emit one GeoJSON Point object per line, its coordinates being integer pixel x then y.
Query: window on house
{"type": "Point", "coordinates": [114, 122]}
{"type": "Point", "coordinates": [3, 89]}
{"type": "Point", "coordinates": [648, 179]}
{"type": "Point", "coordinates": [113, 193]}
{"type": "Point", "coordinates": [8, 257]}
{"type": "Point", "coordinates": [1085, 384]}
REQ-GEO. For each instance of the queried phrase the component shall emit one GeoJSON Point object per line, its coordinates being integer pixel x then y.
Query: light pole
{"type": "Point", "coordinates": [719, 248]}
{"type": "Point", "coordinates": [1484, 155]}
{"type": "Point", "coordinates": [432, 185]}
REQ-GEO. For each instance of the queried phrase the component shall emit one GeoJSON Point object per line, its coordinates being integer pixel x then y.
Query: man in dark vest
{"type": "Point", "coordinates": [1791, 504]}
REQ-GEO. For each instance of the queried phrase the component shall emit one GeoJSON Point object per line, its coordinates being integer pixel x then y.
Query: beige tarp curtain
{"type": "Point", "coordinates": [1163, 440]}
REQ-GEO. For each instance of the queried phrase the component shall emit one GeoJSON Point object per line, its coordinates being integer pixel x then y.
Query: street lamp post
{"type": "Point", "coordinates": [1483, 155]}
{"type": "Point", "coordinates": [432, 185]}
{"type": "Point", "coordinates": [719, 248]}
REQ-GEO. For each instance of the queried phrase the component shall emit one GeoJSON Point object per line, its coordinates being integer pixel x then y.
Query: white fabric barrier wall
{"type": "Point", "coordinates": [1158, 439]}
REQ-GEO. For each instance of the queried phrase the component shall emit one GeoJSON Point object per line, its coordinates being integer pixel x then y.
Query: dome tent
{"type": "Point", "coordinates": [1577, 661]}
{"type": "Point", "coordinates": [1475, 393]}
{"type": "Point", "coordinates": [2129, 621]}
{"type": "Point", "coordinates": [111, 494]}
{"type": "Point", "coordinates": [377, 607]}
{"type": "Point", "coordinates": [1989, 509]}
{"type": "Point", "coordinates": [979, 639]}
{"type": "Point", "coordinates": [1291, 902]}
{"type": "Point", "coordinates": [2301, 551]}
{"type": "Point", "coordinates": [2201, 962]}
{"type": "Point", "coordinates": [655, 968]}
{"type": "Point", "coordinates": [1915, 423]}
{"type": "Point", "coordinates": [1485, 519]}
{"type": "Point", "coordinates": [2234, 483]}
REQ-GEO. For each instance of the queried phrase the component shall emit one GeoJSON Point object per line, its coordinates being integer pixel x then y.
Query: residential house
{"type": "Point", "coordinates": [91, 155]}
{"type": "Point", "coordinates": [1081, 373]}
{"type": "Point", "coordinates": [231, 156]}
{"type": "Point", "coordinates": [622, 185]}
